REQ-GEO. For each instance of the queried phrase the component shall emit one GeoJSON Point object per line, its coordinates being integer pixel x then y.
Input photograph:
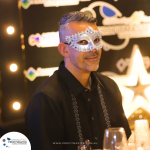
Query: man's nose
{"type": "Point", "coordinates": [92, 46]}
{"type": "Point", "coordinates": [94, 50]}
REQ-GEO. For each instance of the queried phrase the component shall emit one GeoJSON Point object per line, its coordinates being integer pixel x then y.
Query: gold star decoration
{"type": "Point", "coordinates": [138, 89]}
{"type": "Point", "coordinates": [135, 85]}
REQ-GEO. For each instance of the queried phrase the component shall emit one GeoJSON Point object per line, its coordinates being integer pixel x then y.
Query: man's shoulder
{"type": "Point", "coordinates": [50, 93]}
{"type": "Point", "coordinates": [51, 85]}
{"type": "Point", "coordinates": [109, 85]}
{"type": "Point", "coordinates": [50, 90]}
{"type": "Point", "coordinates": [104, 79]}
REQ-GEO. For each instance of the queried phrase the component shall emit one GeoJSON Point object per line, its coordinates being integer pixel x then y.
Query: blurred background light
{"type": "Point", "coordinates": [22, 36]}
{"type": "Point", "coordinates": [147, 92]}
{"type": "Point", "coordinates": [137, 57]}
{"type": "Point", "coordinates": [13, 67]}
{"type": "Point", "coordinates": [16, 105]}
{"type": "Point", "coordinates": [10, 30]}
{"type": "Point", "coordinates": [132, 80]}
{"type": "Point", "coordinates": [23, 46]}
{"type": "Point", "coordinates": [139, 100]}
{"type": "Point", "coordinates": [140, 116]}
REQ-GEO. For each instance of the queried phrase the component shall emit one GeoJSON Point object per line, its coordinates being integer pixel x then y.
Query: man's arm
{"type": "Point", "coordinates": [123, 120]}
{"type": "Point", "coordinates": [113, 88]}
{"type": "Point", "coordinates": [44, 123]}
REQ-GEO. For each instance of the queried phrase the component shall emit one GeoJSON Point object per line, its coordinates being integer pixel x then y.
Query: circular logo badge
{"type": "Point", "coordinates": [14, 141]}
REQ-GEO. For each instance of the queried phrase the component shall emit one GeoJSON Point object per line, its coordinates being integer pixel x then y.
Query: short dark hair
{"type": "Point", "coordinates": [74, 16]}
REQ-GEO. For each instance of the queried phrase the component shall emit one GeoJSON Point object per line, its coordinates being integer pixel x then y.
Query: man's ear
{"type": "Point", "coordinates": [63, 49]}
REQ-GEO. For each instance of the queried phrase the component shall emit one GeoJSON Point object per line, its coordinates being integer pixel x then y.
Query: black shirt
{"type": "Point", "coordinates": [50, 116]}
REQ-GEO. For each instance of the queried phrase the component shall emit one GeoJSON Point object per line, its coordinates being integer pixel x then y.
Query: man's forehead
{"type": "Point", "coordinates": [77, 27]}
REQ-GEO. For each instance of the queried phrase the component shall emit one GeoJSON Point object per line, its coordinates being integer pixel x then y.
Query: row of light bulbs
{"type": "Point", "coordinates": [16, 105]}
{"type": "Point", "coordinates": [13, 68]}
{"type": "Point", "coordinates": [11, 30]}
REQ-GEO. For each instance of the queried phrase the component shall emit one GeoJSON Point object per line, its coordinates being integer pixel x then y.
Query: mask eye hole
{"type": "Point", "coordinates": [97, 40]}
{"type": "Point", "coordinates": [82, 42]}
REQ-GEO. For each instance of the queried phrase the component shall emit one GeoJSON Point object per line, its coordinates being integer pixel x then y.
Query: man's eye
{"type": "Point", "coordinates": [82, 42]}
{"type": "Point", "coordinates": [96, 40]}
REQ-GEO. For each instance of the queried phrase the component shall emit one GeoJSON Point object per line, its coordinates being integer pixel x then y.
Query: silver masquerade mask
{"type": "Point", "coordinates": [85, 41]}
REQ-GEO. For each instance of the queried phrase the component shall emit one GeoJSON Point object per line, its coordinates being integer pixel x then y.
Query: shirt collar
{"type": "Point", "coordinates": [73, 84]}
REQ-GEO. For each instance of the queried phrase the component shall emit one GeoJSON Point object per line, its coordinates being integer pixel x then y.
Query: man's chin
{"type": "Point", "coordinates": [95, 68]}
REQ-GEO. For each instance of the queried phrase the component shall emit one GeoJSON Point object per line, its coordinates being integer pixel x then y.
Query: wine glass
{"type": "Point", "coordinates": [115, 139]}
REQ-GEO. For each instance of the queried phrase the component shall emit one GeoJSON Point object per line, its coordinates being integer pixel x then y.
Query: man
{"type": "Point", "coordinates": [76, 103]}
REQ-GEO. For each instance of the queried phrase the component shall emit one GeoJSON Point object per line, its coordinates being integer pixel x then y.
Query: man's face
{"type": "Point", "coordinates": [86, 61]}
